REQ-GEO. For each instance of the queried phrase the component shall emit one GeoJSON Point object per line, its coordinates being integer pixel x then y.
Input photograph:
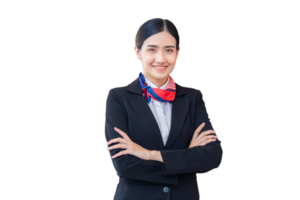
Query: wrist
{"type": "Point", "coordinates": [151, 155]}
{"type": "Point", "coordinates": [155, 155]}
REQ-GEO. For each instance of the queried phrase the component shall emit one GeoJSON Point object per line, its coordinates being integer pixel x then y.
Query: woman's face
{"type": "Point", "coordinates": [158, 50]}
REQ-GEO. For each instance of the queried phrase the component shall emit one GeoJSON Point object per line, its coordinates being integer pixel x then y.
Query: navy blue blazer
{"type": "Point", "coordinates": [175, 178]}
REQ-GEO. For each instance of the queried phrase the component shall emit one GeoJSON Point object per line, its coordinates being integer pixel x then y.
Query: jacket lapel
{"type": "Point", "coordinates": [142, 109]}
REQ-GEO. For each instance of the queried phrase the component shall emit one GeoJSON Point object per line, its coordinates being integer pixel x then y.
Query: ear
{"type": "Point", "coordinates": [137, 52]}
{"type": "Point", "coordinates": [179, 51]}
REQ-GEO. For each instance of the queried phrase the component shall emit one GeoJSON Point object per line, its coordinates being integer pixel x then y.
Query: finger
{"type": "Point", "coordinates": [210, 140]}
{"type": "Point", "coordinates": [203, 139]}
{"type": "Point", "coordinates": [210, 136]}
{"type": "Point", "coordinates": [117, 146]}
{"type": "Point", "coordinates": [114, 141]}
{"type": "Point", "coordinates": [125, 136]}
{"type": "Point", "coordinates": [200, 127]}
{"type": "Point", "coordinates": [204, 133]}
{"type": "Point", "coordinates": [198, 130]}
{"type": "Point", "coordinates": [120, 154]}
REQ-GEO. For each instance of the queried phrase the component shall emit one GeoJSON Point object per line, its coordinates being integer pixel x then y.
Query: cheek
{"type": "Point", "coordinates": [172, 60]}
{"type": "Point", "coordinates": [148, 59]}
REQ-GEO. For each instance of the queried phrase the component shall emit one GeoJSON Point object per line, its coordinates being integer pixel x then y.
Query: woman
{"type": "Point", "coordinates": [153, 125]}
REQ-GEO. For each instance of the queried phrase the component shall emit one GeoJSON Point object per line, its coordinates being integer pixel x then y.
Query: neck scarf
{"type": "Point", "coordinates": [157, 94]}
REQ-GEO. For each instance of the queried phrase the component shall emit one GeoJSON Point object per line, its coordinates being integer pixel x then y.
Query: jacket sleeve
{"type": "Point", "coordinates": [198, 159]}
{"type": "Point", "coordinates": [130, 166]}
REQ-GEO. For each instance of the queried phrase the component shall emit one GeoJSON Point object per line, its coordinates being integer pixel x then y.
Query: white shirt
{"type": "Point", "coordinates": [162, 112]}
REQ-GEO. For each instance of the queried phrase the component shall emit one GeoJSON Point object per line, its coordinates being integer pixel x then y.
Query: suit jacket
{"type": "Point", "coordinates": [175, 178]}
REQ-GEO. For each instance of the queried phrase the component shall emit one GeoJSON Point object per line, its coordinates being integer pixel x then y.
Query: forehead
{"type": "Point", "coordinates": [160, 39]}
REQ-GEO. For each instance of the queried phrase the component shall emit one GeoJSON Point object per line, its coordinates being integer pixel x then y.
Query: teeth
{"type": "Point", "coordinates": [159, 67]}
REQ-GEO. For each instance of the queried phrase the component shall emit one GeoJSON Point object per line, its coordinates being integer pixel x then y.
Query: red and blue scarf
{"type": "Point", "coordinates": [164, 95]}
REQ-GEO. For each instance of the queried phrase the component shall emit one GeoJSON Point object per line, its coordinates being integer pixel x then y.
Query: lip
{"type": "Point", "coordinates": [160, 66]}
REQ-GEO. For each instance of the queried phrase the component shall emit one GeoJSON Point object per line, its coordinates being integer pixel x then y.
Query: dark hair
{"type": "Point", "coordinates": [154, 26]}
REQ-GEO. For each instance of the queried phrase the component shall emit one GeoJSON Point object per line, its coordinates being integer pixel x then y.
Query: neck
{"type": "Point", "coordinates": [158, 83]}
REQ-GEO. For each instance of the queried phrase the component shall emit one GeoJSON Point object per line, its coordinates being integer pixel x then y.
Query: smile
{"type": "Point", "coordinates": [160, 68]}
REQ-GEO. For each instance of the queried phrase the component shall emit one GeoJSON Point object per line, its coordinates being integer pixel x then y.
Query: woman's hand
{"type": "Point", "coordinates": [203, 138]}
{"type": "Point", "coordinates": [131, 147]}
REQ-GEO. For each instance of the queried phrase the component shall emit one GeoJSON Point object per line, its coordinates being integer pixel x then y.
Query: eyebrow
{"type": "Point", "coordinates": [171, 46]}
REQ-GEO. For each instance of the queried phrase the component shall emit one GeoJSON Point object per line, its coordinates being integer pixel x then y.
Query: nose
{"type": "Point", "coordinates": [160, 57]}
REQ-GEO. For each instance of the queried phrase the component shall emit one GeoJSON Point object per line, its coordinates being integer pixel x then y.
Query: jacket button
{"type": "Point", "coordinates": [166, 189]}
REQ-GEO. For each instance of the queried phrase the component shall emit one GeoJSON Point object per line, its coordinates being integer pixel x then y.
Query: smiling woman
{"type": "Point", "coordinates": [157, 46]}
{"type": "Point", "coordinates": [153, 125]}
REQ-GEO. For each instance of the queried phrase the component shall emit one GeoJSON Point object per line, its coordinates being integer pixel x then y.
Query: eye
{"type": "Point", "coordinates": [171, 50]}
{"type": "Point", "coordinates": [151, 49]}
